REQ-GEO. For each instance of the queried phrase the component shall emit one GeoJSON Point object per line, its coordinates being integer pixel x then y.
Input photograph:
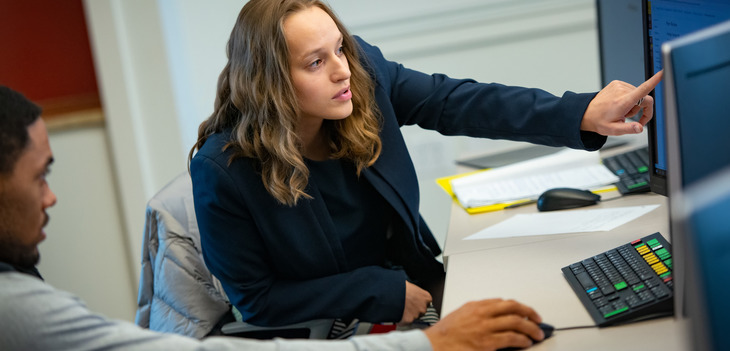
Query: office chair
{"type": "Point", "coordinates": [177, 293]}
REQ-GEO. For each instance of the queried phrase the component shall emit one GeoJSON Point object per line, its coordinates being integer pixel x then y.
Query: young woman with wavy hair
{"type": "Point", "coordinates": [257, 99]}
{"type": "Point", "coordinates": [305, 195]}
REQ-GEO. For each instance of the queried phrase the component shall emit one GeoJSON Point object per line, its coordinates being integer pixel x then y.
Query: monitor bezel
{"type": "Point", "coordinates": [674, 182]}
{"type": "Point", "coordinates": [658, 178]}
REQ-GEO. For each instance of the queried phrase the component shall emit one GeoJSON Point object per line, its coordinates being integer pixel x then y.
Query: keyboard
{"type": "Point", "coordinates": [629, 283]}
{"type": "Point", "coordinates": [632, 168]}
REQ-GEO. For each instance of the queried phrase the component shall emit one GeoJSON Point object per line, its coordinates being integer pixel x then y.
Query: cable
{"type": "Point", "coordinates": [577, 327]}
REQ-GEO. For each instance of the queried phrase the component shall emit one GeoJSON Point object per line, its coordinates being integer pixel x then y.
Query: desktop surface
{"type": "Point", "coordinates": [528, 269]}
{"type": "Point", "coordinates": [531, 274]}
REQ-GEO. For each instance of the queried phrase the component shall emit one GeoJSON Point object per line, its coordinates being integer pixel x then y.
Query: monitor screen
{"type": "Point", "coordinates": [697, 79]}
{"type": "Point", "coordinates": [620, 41]}
{"type": "Point", "coordinates": [665, 20]}
{"type": "Point", "coordinates": [697, 105]}
{"type": "Point", "coordinates": [708, 246]}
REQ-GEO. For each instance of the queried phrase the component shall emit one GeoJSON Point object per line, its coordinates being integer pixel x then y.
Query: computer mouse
{"type": "Point", "coordinates": [565, 198]}
{"type": "Point", "coordinates": [547, 329]}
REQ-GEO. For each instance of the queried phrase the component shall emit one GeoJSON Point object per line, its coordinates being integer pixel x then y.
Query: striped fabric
{"type": "Point", "coordinates": [343, 330]}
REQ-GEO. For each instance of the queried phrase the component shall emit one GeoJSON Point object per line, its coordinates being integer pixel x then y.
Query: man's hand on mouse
{"type": "Point", "coordinates": [487, 325]}
{"type": "Point", "coordinates": [607, 112]}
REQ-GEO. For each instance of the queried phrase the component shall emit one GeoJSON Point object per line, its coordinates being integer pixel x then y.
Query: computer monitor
{"type": "Point", "coordinates": [705, 226]}
{"type": "Point", "coordinates": [700, 217]}
{"type": "Point", "coordinates": [697, 78]}
{"type": "Point", "coordinates": [665, 20]}
{"type": "Point", "coordinates": [697, 104]}
{"type": "Point", "coordinates": [620, 41]}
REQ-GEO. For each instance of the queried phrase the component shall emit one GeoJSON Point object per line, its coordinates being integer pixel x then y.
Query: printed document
{"type": "Point", "coordinates": [528, 179]}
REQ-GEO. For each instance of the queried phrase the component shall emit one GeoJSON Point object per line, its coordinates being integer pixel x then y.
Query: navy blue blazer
{"type": "Point", "coordinates": [281, 264]}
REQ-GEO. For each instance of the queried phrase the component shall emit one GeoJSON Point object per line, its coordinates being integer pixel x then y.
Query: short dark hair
{"type": "Point", "coordinates": [16, 114]}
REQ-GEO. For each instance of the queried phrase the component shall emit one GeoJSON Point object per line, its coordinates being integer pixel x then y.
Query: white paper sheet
{"type": "Point", "coordinates": [561, 222]}
{"type": "Point", "coordinates": [528, 179]}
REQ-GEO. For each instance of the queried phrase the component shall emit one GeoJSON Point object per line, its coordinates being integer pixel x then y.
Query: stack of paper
{"type": "Point", "coordinates": [527, 180]}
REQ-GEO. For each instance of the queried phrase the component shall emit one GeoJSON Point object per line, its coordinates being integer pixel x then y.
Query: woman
{"type": "Point", "coordinates": [306, 197]}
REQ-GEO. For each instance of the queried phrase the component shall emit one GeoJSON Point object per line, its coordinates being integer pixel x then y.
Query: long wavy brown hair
{"type": "Point", "coordinates": [257, 100]}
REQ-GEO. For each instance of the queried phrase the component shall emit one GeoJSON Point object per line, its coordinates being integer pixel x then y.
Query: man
{"type": "Point", "coordinates": [35, 316]}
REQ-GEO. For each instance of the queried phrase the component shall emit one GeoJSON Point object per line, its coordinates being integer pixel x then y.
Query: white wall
{"type": "Point", "coordinates": [196, 33]}
{"type": "Point", "coordinates": [139, 107]}
{"type": "Point", "coordinates": [86, 249]}
{"type": "Point", "coordinates": [158, 62]}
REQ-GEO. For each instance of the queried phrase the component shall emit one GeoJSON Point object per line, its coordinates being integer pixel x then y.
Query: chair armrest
{"type": "Point", "coordinates": [315, 329]}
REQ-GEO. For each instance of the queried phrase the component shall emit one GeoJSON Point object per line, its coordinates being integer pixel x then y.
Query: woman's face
{"type": "Point", "coordinates": [319, 69]}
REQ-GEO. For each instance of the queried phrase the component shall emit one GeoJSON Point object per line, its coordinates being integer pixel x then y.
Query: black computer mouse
{"type": "Point", "coordinates": [565, 198]}
{"type": "Point", "coordinates": [547, 329]}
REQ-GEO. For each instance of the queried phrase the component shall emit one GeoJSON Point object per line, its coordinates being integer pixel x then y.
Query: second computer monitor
{"type": "Point", "coordinates": [666, 20]}
{"type": "Point", "coordinates": [620, 41]}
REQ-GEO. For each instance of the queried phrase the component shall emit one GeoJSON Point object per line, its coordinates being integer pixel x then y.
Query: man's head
{"type": "Point", "coordinates": [25, 158]}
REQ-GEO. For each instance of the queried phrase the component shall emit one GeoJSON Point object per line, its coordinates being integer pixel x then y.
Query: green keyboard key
{"type": "Point", "coordinates": [620, 286]}
{"type": "Point", "coordinates": [611, 314]}
{"type": "Point", "coordinates": [663, 254]}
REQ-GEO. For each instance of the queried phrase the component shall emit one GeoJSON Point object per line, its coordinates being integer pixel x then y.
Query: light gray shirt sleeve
{"type": "Point", "coordinates": [35, 316]}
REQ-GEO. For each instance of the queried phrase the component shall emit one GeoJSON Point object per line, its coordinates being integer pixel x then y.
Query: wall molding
{"type": "Point", "coordinates": [474, 24]}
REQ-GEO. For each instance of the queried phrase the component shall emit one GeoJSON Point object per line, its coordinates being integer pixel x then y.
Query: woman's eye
{"type": "Point", "coordinates": [315, 64]}
{"type": "Point", "coordinates": [340, 50]}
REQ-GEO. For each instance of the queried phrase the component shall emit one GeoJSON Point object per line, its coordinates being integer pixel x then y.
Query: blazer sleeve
{"type": "Point", "coordinates": [250, 267]}
{"type": "Point", "coordinates": [488, 110]}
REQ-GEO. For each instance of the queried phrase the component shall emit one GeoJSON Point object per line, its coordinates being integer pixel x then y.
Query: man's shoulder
{"type": "Point", "coordinates": [18, 289]}
{"type": "Point", "coordinates": [12, 280]}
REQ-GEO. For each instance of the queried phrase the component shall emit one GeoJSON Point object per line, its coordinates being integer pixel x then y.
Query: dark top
{"type": "Point", "coordinates": [360, 215]}
{"type": "Point", "coordinates": [282, 264]}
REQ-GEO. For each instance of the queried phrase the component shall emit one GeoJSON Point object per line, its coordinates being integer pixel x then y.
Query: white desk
{"type": "Point", "coordinates": [527, 269]}
{"type": "Point", "coordinates": [463, 224]}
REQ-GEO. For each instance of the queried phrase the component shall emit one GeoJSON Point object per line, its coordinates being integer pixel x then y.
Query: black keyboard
{"type": "Point", "coordinates": [629, 283]}
{"type": "Point", "coordinates": [632, 168]}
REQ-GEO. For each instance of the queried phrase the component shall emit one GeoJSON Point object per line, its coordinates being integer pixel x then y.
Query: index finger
{"type": "Point", "coordinates": [646, 87]}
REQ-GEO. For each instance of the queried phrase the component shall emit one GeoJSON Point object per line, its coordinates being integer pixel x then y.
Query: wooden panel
{"type": "Point", "coordinates": [46, 54]}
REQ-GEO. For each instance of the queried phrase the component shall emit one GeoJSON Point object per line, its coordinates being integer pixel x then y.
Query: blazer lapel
{"type": "Point", "coordinates": [394, 176]}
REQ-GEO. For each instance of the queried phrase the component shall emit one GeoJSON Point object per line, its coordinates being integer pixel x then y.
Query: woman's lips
{"type": "Point", "coordinates": [343, 95]}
